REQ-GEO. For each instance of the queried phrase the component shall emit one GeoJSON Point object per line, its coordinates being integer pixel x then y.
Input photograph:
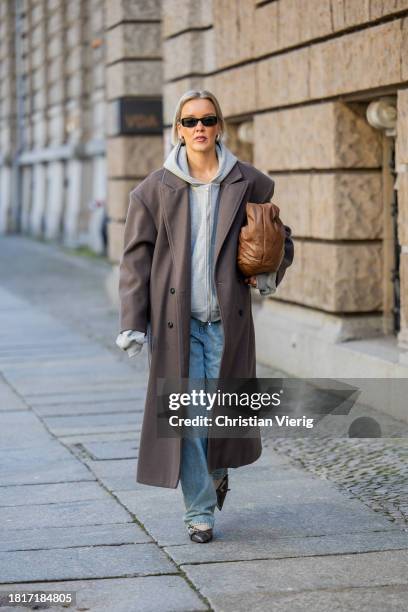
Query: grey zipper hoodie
{"type": "Point", "coordinates": [203, 201]}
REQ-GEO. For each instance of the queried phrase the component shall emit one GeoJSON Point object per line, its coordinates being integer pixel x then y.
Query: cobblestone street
{"type": "Point", "coordinates": [314, 524]}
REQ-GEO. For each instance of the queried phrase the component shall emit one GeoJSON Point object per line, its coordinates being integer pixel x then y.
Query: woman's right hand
{"type": "Point", "coordinates": [131, 341]}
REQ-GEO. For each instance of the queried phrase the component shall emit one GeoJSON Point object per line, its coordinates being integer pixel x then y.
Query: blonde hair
{"type": "Point", "coordinates": [193, 94]}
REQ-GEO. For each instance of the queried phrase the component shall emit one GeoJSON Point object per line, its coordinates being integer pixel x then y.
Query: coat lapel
{"type": "Point", "coordinates": [176, 209]}
{"type": "Point", "coordinates": [232, 191]}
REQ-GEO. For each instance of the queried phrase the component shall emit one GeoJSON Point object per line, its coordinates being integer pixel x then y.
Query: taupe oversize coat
{"type": "Point", "coordinates": [154, 286]}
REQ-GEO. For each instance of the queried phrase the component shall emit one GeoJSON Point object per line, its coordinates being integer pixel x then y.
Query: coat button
{"type": "Point", "coordinates": [170, 324]}
{"type": "Point", "coordinates": [172, 290]}
{"type": "Point", "coordinates": [240, 312]}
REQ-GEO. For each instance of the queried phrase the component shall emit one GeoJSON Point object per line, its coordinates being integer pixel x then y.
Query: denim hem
{"type": "Point", "coordinates": [202, 522]}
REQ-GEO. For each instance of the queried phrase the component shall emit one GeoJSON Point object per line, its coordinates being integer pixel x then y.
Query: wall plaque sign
{"type": "Point", "coordinates": [139, 116]}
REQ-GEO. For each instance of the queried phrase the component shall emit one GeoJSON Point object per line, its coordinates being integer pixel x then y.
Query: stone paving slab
{"type": "Point", "coordinates": [375, 599]}
{"type": "Point", "coordinates": [68, 537]}
{"type": "Point", "coordinates": [94, 429]}
{"type": "Point", "coordinates": [64, 514]}
{"type": "Point", "coordinates": [236, 586]}
{"type": "Point", "coordinates": [116, 474]}
{"type": "Point", "coordinates": [165, 593]}
{"type": "Point", "coordinates": [245, 548]}
{"type": "Point", "coordinates": [25, 495]}
{"type": "Point", "coordinates": [100, 407]}
{"type": "Point", "coordinates": [101, 363]}
{"type": "Point", "coordinates": [85, 562]}
{"type": "Point", "coordinates": [30, 386]}
{"type": "Point", "coordinates": [47, 352]}
{"type": "Point", "coordinates": [43, 463]}
{"type": "Point", "coordinates": [293, 507]}
{"type": "Point", "coordinates": [129, 436]}
{"type": "Point", "coordinates": [80, 396]}
{"type": "Point", "coordinates": [86, 423]}
{"type": "Point", "coordinates": [9, 400]}
{"type": "Point", "coordinates": [127, 449]}
{"type": "Point", "coordinates": [22, 429]}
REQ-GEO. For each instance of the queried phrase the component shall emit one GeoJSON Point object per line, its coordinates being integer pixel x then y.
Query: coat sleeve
{"type": "Point", "coordinates": [289, 247]}
{"type": "Point", "coordinates": [135, 266]}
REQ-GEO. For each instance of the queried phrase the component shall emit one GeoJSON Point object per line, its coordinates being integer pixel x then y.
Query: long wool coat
{"type": "Point", "coordinates": [154, 286]}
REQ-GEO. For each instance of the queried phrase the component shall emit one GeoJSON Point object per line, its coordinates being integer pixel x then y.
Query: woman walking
{"type": "Point", "coordinates": [180, 287]}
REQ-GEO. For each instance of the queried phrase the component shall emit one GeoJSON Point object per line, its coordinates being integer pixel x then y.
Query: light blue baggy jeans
{"type": "Point", "coordinates": [200, 498]}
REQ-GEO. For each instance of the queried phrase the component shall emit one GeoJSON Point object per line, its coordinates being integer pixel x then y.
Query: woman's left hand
{"type": "Point", "coordinates": [251, 280]}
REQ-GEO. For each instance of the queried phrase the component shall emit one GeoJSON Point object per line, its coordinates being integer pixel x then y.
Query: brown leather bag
{"type": "Point", "coordinates": [261, 245]}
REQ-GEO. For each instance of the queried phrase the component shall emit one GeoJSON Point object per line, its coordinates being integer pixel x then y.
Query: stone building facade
{"type": "Point", "coordinates": [315, 94]}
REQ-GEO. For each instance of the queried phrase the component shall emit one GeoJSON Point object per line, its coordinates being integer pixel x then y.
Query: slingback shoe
{"type": "Point", "coordinates": [201, 536]}
{"type": "Point", "coordinates": [222, 492]}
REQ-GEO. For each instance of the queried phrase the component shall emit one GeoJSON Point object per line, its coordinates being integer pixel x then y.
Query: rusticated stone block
{"type": "Point", "coordinates": [73, 10]}
{"type": "Point", "coordinates": [335, 277]}
{"type": "Point", "coordinates": [266, 28]}
{"type": "Point", "coordinates": [235, 89]}
{"type": "Point", "coordinates": [118, 197]}
{"type": "Point", "coordinates": [129, 10]}
{"type": "Point", "coordinates": [74, 85]}
{"type": "Point", "coordinates": [54, 5]}
{"type": "Point", "coordinates": [37, 58]}
{"type": "Point", "coordinates": [331, 206]}
{"type": "Point", "coordinates": [184, 54]}
{"type": "Point", "coordinates": [128, 156]}
{"type": "Point", "coordinates": [55, 21]}
{"type": "Point", "coordinates": [134, 78]}
{"type": "Point", "coordinates": [403, 335]}
{"type": "Point", "coordinates": [303, 20]}
{"type": "Point", "coordinates": [362, 60]}
{"type": "Point", "coordinates": [37, 14]}
{"type": "Point", "coordinates": [234, 22]}
{"type": "Point", "coordinates": [116, 231]}
{"type": "Point", "coordinates": [331, 135]}
{"type": "Point", "coordinates": [96, 17]}
{"type": "Point", "coordinates": [73, 60]}
{"type": "Point", "coordinates": [180, 15]}
{"type": "Point", "coordinates": [401, 152]}
{"type": "Point", "coordinates": [381, 8]}
{"type": "Point", "coordinates": [56, 93]}
{"type": "Point", "coordinates": [404, 50]}
{"type": "Point", "coordinates": [298, 21]}
{"type": "Point", "coordinates": [173, 92]}
{"type": "Point", "coordinates": [134, 40]}
{"type": "Point", "coordinates": [37, 35]}
{"type": "Point", "coordinates": [347, 13]}
{"type": "Point", "coordinates": [403, 208]}
{"type": "Point", "coordinates": [55, 45]}
{"type": "Point", "coordinates": [73, 35]}
{"type": "Point", "coordinates": [55, 69]}
{"type": "Point", "coordinates": [56, 127]}
{"type": "Point", "coordinates": [283, 79]}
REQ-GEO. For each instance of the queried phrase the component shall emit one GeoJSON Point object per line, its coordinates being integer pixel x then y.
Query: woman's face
{"type": "Point", "coordinates": [198, 138]}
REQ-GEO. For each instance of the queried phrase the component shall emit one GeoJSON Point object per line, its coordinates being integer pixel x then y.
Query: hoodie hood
{"type": "Point", "coordinates": [176, 163]}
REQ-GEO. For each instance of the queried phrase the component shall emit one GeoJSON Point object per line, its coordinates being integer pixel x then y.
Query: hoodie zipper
{"type": "Point", "coordinates": [208, 246]}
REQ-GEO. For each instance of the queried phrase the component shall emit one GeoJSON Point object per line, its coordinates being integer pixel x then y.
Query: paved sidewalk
{"type": "Point", "coordinates": [72, 516]}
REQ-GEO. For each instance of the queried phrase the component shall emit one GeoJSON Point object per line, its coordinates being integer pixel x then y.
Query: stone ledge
{"type": "Point", "coordinates": [304, 343]}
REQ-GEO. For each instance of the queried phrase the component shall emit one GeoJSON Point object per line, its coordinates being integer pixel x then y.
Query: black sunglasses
{"type": "Point", "coordinates": [190, 122]}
